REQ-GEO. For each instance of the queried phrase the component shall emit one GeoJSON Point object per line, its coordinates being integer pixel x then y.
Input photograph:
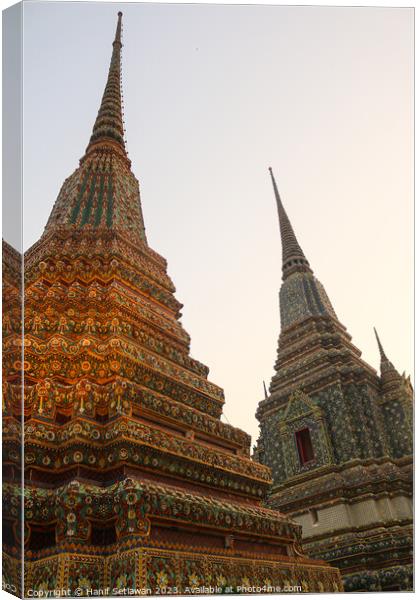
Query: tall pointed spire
{"type": "Point", "coordinates": [386, 364]}
{"type": "Point", "coordinates": [381, 350]}
{"type": "Point", "coordinates": [293, 256]}
{"type": "Point", "coordinates": [103, 194]}
{"type": "Point", "coordinates": [108, 127]}
{"type": "Point", "coordinates": [265, 390]}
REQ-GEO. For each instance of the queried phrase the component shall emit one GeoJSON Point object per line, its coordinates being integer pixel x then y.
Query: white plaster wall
{"type": "Point", "coordinates": [359, 514]}
{"type": "Point", "coordinates": [384, 506]}
{"type": "Point", "coordinates": [402, 507]}
{"type": "Point", "coordinates": [329, 519]}
{"type": "Point", "coordinates": [364, 513]}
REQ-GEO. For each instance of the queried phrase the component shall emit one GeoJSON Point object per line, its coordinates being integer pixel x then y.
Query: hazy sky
{"type": "Point", "coordinates": [214, 95]}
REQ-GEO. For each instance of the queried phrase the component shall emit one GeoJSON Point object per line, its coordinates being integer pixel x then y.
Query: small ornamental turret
{"type": "Point", "coordinates": [389, 374]}
{"type": "Point", "coordinates": [397, 404]}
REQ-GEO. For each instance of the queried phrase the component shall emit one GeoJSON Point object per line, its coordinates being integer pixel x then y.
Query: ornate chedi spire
{"type": "Point", "coordinates": [109, 126]}
{"type": "Point", "coordinates": [103, 193]}
{"type": "Point", "coordinates": [293, 256]}
{"type": "Point", "coordinates": [329, 421]}
{"type": "Point", "coordinates": [301, 294]}
{"type": "Point", "coordinates": [390, 378]}
{"type": "Point", "coordinates": [386, 364]}
{"type": "Point", "coordinates": [126, 456]}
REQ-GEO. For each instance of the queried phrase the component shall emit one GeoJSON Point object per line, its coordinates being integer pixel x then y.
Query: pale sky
{"type": "Point", "coordinates": [213, 96]}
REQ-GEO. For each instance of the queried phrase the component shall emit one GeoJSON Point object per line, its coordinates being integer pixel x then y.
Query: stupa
{"type": "Point", "coordinates": [131, 479]}
{"type": "Point", "coordinates": [337, 436]}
